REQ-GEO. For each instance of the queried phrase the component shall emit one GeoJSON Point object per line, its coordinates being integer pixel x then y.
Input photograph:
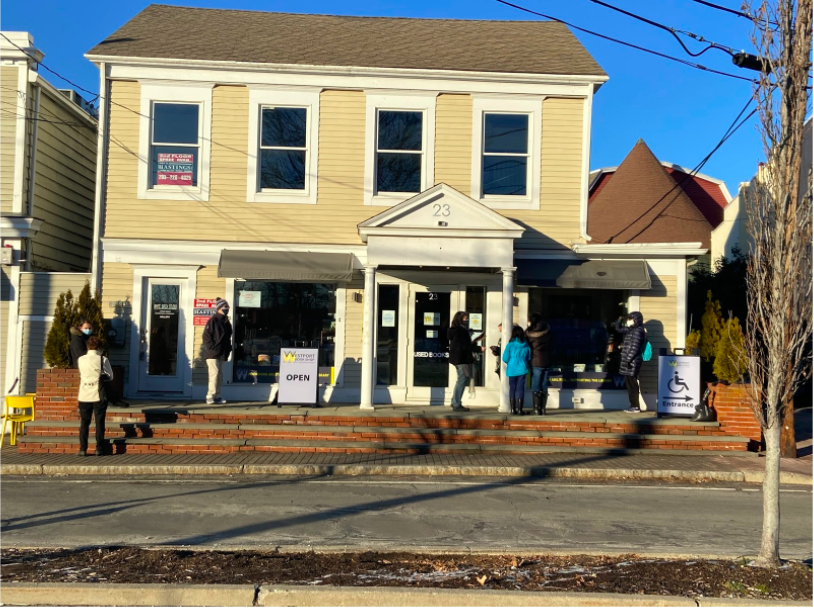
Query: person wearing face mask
{"type": "Point", "coordinates": [631, 356]}
{"type": "Point", "coordinates": [79, 341]}
{"type": "Point", "coordinates": [217, 340]}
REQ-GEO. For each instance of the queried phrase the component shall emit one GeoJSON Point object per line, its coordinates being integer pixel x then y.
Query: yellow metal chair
{"type": "Point", "coordinates": [17, 411]}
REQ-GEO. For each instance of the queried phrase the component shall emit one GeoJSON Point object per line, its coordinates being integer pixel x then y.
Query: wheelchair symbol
{"type": "Point", "coordinates": [678, 382]}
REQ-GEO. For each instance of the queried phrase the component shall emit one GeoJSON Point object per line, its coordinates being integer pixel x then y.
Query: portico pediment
{"type": "Point", "coordinates": [438, 212]}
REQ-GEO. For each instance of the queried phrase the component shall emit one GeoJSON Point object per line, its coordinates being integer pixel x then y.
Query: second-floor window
{"type": "Point", "coordinates": [505, 154]}
{"type": "Point", "coordinates": [283, 148]}
{"type": "Point", "coordinates": [399, 151]}
{"type": "Point", "coordinates": [175, 145]}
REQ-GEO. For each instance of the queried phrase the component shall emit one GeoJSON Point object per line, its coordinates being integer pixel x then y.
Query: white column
{"type": "Point", "coordinates": [508, 321]}
{"type": "Point", "coordinates": [368, 335]}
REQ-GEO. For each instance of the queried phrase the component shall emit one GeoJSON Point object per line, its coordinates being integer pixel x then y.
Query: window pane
{"type": "Point", "coordinates": [175, 123]}
{"type": "Point", "coordinates": [173, 166]}
{"type": "Point", "coordinates": [282, 169]}
{"type": "Point", "coordinates": [400, 130]}
{"type": "Point", "coordinates": [284, 127]}
{"type": "Point", "coordinates": [398, 172]}
{"type": "Point", "coordinates": [387, 342]}
{"type": "Point", "coordinates": [506, 133]}
{"type": "Point", "coordinates": [163, 342]}
{"type": "Point", "coordinates": [504, 175]}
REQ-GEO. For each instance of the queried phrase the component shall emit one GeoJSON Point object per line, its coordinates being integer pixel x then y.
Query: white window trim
{"type": "Point", "coordinates": [308, 99]}
{"type": "Point", "coordinates": [399, 101]}
{"type": "Point", "coordinates": [169, 93]}
{"type": "Point", "coordinates": [501, 105]}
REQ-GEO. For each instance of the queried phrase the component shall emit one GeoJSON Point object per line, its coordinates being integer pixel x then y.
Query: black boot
{"type": "Point", "coordinates": [538, 403]}
{"type": "Point", "coordinates": [513, 403]}
{"type": "Point", "coordinates": [520, 411]}
{"type": "Point", "coordinates": [543, 402]}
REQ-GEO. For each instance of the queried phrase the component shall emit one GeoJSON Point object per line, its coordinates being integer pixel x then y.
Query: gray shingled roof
{"type": "Point", "coordinates": [174, 32]}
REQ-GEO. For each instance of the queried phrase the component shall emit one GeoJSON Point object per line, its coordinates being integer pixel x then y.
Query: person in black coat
{"type": "Point", "coordinates": [538, 335]}
{"type": "Point", "coordinates": [79, 341]}
{"type": "Point", "coordinates": [461, 348]}
{"type": "Point", "coordinates": [217, 341]}
{"type": "Point", "coordinates": [631, 356]}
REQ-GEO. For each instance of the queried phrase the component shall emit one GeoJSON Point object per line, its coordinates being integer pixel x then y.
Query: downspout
{"type": "Point", "coordinates": [101, 181]}
{"type": "Point", "coordinates": [32, 170]}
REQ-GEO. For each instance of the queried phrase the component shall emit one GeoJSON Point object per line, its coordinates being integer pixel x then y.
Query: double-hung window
{"type": "Point", "coordinates": [174, 141]}
{"type": "Point", "coordinates": [175, 145]}
{"type": "Point", "coordinates": [399, 147]}
{"type": "Point", "coordinates": [282, 145]}
{"type": "Point", "coordinates": [506, 152]}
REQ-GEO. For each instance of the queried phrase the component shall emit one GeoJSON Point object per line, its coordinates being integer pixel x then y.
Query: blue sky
{"type": "Point", "coordinates": [679, 111]}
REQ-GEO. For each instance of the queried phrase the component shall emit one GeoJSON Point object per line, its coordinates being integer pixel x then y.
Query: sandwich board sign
{"type": "Point", "coordinates": [679, 384]}
{"type": "Point", "coordinates": [299, 374]}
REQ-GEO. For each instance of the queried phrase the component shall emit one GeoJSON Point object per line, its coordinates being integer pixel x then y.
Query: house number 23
{"type": "Point", "coordinates": [441, 210]}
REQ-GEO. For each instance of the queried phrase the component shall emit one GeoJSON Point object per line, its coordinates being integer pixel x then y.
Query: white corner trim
{"type": "Point", "coordinates": [100, 194]}
{"type": "Point", "coordinates": [533, 107]}
{"type": "Point", "coordinates": [12, 354]}
{"type": "Point", "coordinates": [585, 190]}
{"type": "Point", "coordinates": [18, 196]}
{"type": "Point", "coordinates": [681, 303]}
{"type": "Point", "coordinates": [423, 101]}
{"type": "Point", "coordinates": [175, 92]}
{"type": "Point", "coordinates": [308, 98]}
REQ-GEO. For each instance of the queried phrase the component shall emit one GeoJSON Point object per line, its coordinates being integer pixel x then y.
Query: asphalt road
{"type": "Point", "coordinates": [465, 514]}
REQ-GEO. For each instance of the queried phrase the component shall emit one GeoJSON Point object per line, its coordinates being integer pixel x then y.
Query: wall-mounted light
{"type": "Point", "coordinates": [358, 297]}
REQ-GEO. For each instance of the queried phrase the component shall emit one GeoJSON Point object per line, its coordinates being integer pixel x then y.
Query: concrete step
{"type": "Point", "coordinates": [185, 445]}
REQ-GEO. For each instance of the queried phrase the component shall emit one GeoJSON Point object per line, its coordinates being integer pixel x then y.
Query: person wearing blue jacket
{"type": "Point", "coordinates": [517, 357]}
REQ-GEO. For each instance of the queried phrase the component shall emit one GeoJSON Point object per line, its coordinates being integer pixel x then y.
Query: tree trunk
{"type": "Point", "coordinates": [770, 541]}
{"type": "Point", "coordinates": [788, 442]}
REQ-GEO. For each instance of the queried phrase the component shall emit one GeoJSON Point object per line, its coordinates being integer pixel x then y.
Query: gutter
{"type": "Point", "coordinates": [626, 249]}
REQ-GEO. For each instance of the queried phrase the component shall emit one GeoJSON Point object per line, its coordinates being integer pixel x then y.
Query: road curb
{"type": "Point", "coordinates": [101, 594]}
{"type": "Point", "coordinates": [755, 477]}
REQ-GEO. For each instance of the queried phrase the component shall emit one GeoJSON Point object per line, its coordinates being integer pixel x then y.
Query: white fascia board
{"type": "Point", "coordinates": [720, 183]}
{"type": "Point", "coordinates": [53, 92]}
{"type": "Point", "coordinates": [641, 249]}
{"type": "Point", "coordinates": [19, 227]}
{"type": "Point", "coordinates": [442, 233]}
{"type": "Point", "coordinates": [352, 78]}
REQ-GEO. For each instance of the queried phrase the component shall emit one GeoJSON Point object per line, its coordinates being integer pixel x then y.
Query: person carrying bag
{"type": "Point", "coordinates": [94, 373]}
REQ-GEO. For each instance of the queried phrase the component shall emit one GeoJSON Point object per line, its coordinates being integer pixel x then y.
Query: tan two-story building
{"type": "Point", "coordinates": [349, 183]}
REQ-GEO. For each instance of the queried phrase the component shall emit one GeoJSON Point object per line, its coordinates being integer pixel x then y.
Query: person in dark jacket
{"type": "Point", "coordinates": [631, 356]}
{"type": "Point", "coordinates": [217, 341]}
{"type": "Point", "coordinates": [538, 335]}
{"type": "Point", "coordinates": [496, 350]}
{"type": "Point", "coordinates": [461, 348]}
{"type": "Point", "coordinates": [79, 341]}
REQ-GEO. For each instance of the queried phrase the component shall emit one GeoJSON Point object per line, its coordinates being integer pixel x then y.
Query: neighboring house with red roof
{"type": "Point", "coordinates": [645, 200]}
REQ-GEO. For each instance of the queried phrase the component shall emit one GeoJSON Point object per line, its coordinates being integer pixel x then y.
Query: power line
{"type": "Point", "coordinates": [675, 32]}
{"type": "Point", "coordinates": [731, 130]}
{"type": "Point", "coordinates": [691, 64]}
{"type": "Point", "coordinates": [732, 11]}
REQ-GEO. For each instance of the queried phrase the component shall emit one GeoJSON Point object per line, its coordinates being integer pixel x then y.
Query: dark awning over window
{"type": "Point", "coordinates": [584, 274]}
{"type": "Point", "coordinates": [286, 266]}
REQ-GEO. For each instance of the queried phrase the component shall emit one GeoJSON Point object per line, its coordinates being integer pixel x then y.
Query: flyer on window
{"type": "Point", "coordinates": [175, 169]}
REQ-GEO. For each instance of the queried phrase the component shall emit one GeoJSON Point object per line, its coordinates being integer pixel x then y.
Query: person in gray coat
{"type": "Point", "coordinates": [631, 356]}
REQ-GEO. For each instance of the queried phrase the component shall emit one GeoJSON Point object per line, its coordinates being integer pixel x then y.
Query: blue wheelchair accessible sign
{"type": "Point", "coordinates": [679, 384]}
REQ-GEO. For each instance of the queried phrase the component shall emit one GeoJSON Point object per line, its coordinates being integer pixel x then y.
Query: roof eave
{"type": "Point", "coordinates": [650, 249]}
{"type": "Point", "coordinates": [366, 71]}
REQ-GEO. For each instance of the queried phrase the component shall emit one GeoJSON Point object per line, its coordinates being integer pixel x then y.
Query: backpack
{"type": "Point", "coordinates": [647, 350]}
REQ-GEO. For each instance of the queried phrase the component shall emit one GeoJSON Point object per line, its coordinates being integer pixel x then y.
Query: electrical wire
{"type": "Point", "coordinates": [691, 64]}
{"type": "Point", "coordinates": [732, 11]}
{"type": "Point", "coordinates": [671, 30]}
{"type": "Point", "coordinates": [731, 130]}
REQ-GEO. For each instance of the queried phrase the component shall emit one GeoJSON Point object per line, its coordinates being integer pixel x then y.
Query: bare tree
{"type": "Point", "coordinates": [779, 205]}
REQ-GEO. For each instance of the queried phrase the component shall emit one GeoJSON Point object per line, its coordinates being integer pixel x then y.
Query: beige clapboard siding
{"type": "Point", "coordinates": [658, 305]}
{"type": "Point", "coordinates": [5, 295]}
{"type": "Point", "coordinates": [64, 188]}
{"type": "Point", "coordinates": [209, 286]}
{"type": "Point", "coordinates": [117, 302]}
{"type": "Point", "coordinates": [351, 367]}
{"type": "Point", "coordinates": [39, 291]}
{"type": "Point", "coordinates": [8, 135]}
{"type": "Point", "coordinates": [32, 356]}
{"type": "Point", "coordinates": [556, 224]}
{"type": "Point", "coordinates": [228, 216]}
{"type": "Point", "coordinates": [453, 141]}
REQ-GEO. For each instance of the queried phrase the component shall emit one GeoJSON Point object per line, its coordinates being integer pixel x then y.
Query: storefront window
{"type": "Point", "coordinates": [387, 336]}
{"type": "Point", "coordinates": [271, 316]}
{"type": "Point", "coordinates": [581, 323]}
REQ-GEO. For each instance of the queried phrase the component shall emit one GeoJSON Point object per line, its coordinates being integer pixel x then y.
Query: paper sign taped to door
{"type": "Point", "coordinates": [476, 321]}
{"type": "Point", "coordinates": [432, 318]}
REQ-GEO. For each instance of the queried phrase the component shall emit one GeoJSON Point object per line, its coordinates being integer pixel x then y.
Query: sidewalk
{"type": "Point", "coordinates": [727, 468]}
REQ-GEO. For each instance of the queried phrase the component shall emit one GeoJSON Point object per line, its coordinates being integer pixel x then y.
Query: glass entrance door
{"type": "Point", "coordinates": [162, 337]}
{"type": "Point", "coordinates": [428, 359]}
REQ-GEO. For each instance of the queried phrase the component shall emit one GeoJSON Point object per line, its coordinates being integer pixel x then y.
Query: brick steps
{"type": "Point", "coordinates": [226, 446]}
